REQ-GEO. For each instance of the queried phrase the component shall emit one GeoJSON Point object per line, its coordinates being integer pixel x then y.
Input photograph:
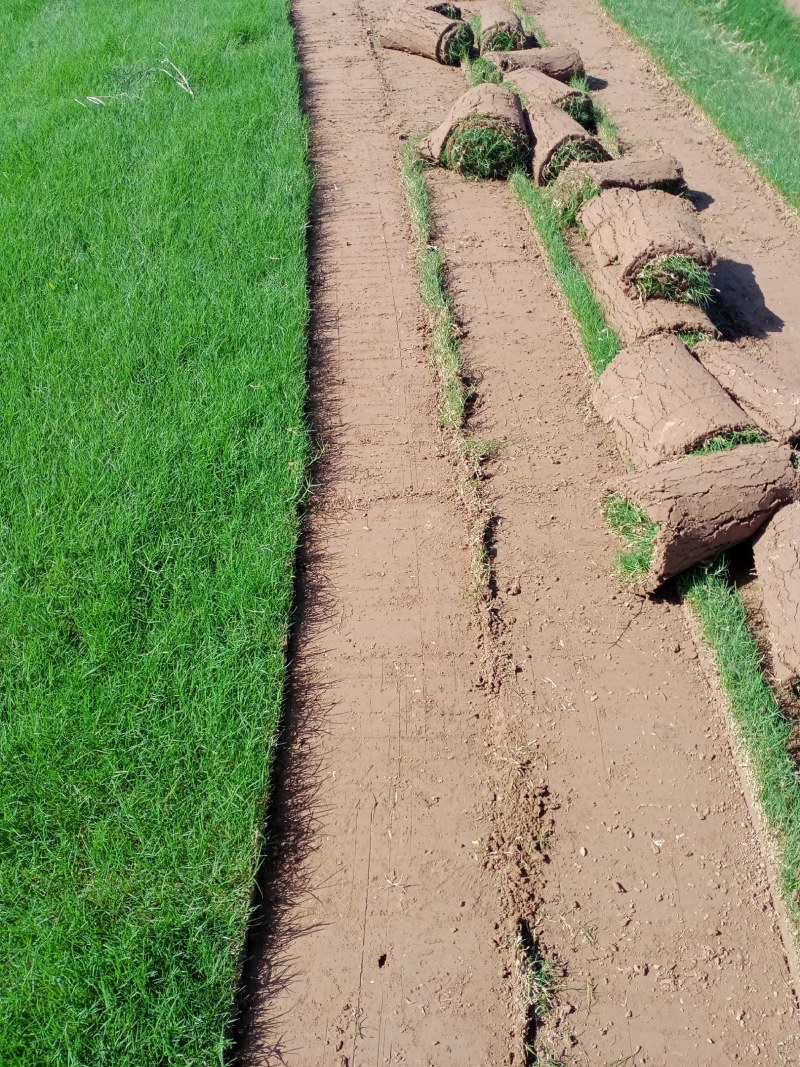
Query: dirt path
{"type": "Point", "coordinates": [412, 796]}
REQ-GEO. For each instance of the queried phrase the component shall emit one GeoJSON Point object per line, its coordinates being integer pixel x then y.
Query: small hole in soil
{"type": "Point", "coordinates": [382, 959]}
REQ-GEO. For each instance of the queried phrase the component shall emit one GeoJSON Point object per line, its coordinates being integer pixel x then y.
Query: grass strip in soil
{"type": "Point", "coordinates": [600, 342]}
{"type": "Point", "coordinates": [739, 60]}
{"type": "Point", "coordinates": [633, 525]}
{"type": "Point", "coordinates": [153, 206]}
{"type": "Point", "coordinates": [763, 727]}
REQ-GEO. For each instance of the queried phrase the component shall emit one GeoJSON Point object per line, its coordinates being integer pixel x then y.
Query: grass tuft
{"type": "Point", "coordinates": [460, 45]}
{"type": "Point", "coordinates": [600, 342]}
{"type": "Point", "coordinates": [571, 151]}
{"type": "Point", "coordinates": [763, 727]}
{"type": "Point", "coordinates": [631, 523]}
{"type": "Point", "coordinates": [726, 441]}
{"type": "Point", "coordinates": [153, 322]}
{"type": "Point", "coordinates": [692, 338]}
{"type": "Point", "coordinates": [501, 41]}
{"type": "Point", "coordinates": [568, 193]}
{"type": "Point", "coordinates": [677, 278]}
{"type": "Point", "coordinates": [581, 109]}
{"type": "Point", "coordinates": [481, 70]}
{"type": "Point", "coordinates": [479, 148]}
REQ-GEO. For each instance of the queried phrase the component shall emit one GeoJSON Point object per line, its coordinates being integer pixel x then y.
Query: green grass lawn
{"type": "Point", "coordinates": [740, 61]}
{"type": "Point", "coordinates": [153, 311]}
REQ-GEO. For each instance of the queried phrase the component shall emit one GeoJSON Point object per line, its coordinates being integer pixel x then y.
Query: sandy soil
{"type": "Point", "coordinates": [558, 757]}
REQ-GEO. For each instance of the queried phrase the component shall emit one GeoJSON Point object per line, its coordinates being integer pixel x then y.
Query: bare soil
{"type": "Point", "coordinates": [557, 755]}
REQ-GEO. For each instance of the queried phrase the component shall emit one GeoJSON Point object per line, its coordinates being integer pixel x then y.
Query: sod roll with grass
{"type": "Point", "coordinates": [153, 211]}
{"type": "Point", "coordinates": [435, 32]}
{"type": "Point", "coordinates": [557, 62]}
{"type": "Point", "coordinates": [558, 141]}
{"type": "Point", "coordinates": [532, 85]}
{"type": "Point", "coordinates": [703, 504]}
{"type": "Point", "coordinates": [661, 403]}
{"type": "Point", "coordinates": [655, 239]}
{"type": "Point", "coordinates": [483, 136]}
{"type": "Point", "coordinates": [776, 552]}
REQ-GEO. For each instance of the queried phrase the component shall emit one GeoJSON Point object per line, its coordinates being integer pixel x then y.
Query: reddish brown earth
{"type": "Point", "coordinates": [558, 756]}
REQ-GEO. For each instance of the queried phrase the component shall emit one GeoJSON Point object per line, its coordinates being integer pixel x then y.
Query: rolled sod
{"type": "Point", "coordinates": [660, 172]}
{"type": "Point", "coordinates": [425, 31]}
{"type": "Point", "coordinates": [483, 135]}
{"type": "Point", "coordinates": [557, 62]}
{"type": "Point", "coordinates": [632, 317]}
{"type": "Point", "coordinates": [776, 551]}
{"type": "Point", "coordinates": [558, 141]}
{"type": "Point", "coordinates": [656, 240]}
{"type": "Point", "coordinates": [661, 403]}
{"type": "Point", "coordinates": [532, 85]}
{"type": "Point", "coordinates": [501, 29]}
{"type": "Point", "coordinates": [700, 505]}
{"type": "Point", "coordinates": [771, 399]}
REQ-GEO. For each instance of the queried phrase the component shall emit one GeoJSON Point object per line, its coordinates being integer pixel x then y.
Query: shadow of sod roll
{"type": "Point", "coordinates": [483, 135]}
{"type": "Point", "coordinates": [436, 32]}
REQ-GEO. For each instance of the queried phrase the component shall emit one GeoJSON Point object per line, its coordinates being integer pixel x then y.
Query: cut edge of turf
{"type": "Point", "coordinates": [675, 277]}
{"type": "Point", "coordinates": [632, 524]}
{"type": "Point", "coordinates": [725, 442]}
{"type": "Point", "coordinates": [454, 388]}
{"type": "Point", "coordinates": [600, 342]}
{"type": "Point", "coordinates": [760, 724]}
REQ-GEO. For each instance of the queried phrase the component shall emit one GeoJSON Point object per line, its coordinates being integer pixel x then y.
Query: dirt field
{"type": "Point", "coordinates": [558, 757]}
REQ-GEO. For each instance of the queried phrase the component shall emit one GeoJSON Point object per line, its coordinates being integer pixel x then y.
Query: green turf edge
{"type": "Point", "coordinates": [762, 726]}
{"type": "Point", "coordinates": [632, 524]}
{"type": "Point", "coordinates": [724, 442]}
{"type": "Point", "coordinates": [453, 392]}
{"type": "Point", "coordinates": [759, 114]}
{"type": "Point", "coordinates": [601, 343]}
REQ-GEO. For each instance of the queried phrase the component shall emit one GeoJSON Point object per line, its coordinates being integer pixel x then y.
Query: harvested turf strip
{"type": "Point", "coordinates": [661, 403]}
{"type": "Point", "coordinates": [483, 135]}
{"type": "Point", "coordinates": [656, 241]}
{"type": "Point", "coordinates": [557, 62]}
{"type": "Point", "coordinates": [427, 31]}
{"type": "Point", "coordinates": [705, 504]}
{"type": "Point", "coordinates": [662, 172]}
{"type": "Point", "coordinates": [153, 312]}
{"type": "Point", "coordinates": [675, 278]}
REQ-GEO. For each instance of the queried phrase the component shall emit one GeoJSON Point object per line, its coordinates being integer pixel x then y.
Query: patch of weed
{"type": "Point", "coordinates": [569, 192]}
{"type": "Point", "coordinates": [692, 338]}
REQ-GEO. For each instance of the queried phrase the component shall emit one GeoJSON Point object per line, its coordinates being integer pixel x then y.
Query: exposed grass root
{"type": "Point", "coordinates": [726, 441]}
{"type": "Point", "coordinates": [600, 342]}
{"type": "Point", "coordinates": [764, 729]}
{"type": "Point", "coordinates": [678, 278]}
{"type": "Point", "coordinates": [631, 523]}
{"type": "Point", "coordinates": [483, 148]}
